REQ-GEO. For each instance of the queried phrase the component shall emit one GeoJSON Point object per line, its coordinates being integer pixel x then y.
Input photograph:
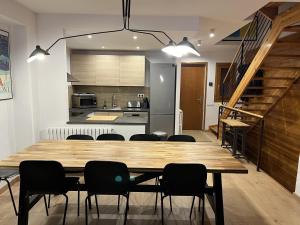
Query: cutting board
{"type": "Point", "coordinates": [104, 118]}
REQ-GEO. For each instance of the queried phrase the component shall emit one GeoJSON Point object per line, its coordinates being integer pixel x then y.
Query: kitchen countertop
{"type": "Point", "coordinates": [109, 110]}
{"type": "Point", "coordinates": [121, 120]}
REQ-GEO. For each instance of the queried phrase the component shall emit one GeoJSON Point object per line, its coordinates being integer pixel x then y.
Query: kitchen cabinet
{"type": "Point", "coordinates": [132, 70]}
{"type": "Point", "coordinates": [108, 70]}
{"type": "Point", "coordinates": [83, 69]}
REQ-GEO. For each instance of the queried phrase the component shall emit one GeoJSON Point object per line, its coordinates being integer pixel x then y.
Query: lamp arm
{"type": "Point", "coordinates": [155, 31]}
{"type": "Point", "coordinates": [126, 15]}
{"type": "Point", "coordinates": [142, 32]}
{"type": "Point", "coordinates": [82, 35]}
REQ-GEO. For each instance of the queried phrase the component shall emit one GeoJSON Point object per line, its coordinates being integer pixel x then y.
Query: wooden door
{"type": "Point", "coordinates": [192, 95]}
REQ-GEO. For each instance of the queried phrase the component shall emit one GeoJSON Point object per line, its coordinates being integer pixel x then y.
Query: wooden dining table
{"type": "Point", "coordinates": [146, 158]}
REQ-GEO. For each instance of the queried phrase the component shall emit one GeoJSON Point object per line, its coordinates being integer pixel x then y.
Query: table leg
{"type": "Point", "coordinates": [23, 207]}
{"type": "Point", "coordinates": [223, 133]}
{"type": "Point", "coordinates": [218, 195]}
{"type": "Point", "coordinates": [244, 143]}
{"type": "Point", "coordinates": [235, 140]}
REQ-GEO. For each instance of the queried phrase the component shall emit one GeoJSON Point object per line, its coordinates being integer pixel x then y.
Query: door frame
{"type": "Point", "coordinates": [197, 64]}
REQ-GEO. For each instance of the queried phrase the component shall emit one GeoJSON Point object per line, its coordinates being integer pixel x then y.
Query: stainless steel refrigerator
{"type": "Point", "coordinates": [162, 97]}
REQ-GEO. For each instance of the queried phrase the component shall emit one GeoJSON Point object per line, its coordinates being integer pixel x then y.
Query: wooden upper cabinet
{"type": "Point", "coordinates": [83, 68]}
{"type": "Point", "coordinates": [108, 70]}
{"type": "Point", "coordinates": [132, 70]}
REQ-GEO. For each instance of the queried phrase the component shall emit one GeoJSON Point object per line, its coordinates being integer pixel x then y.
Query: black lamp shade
{"type": "Point", "coordinates": [38, 51]}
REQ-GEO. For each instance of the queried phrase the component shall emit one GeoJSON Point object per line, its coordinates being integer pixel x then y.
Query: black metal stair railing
{"type": "Point", "coordinates": [250, 45]}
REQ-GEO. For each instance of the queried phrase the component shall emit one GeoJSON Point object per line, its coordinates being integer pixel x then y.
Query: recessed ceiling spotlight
{"type": "Point", "coordinates": [138, 47]}
{"type": "Point", "coordinates": [212, 33]}
{"type": "Point", "coordinates": [199, 43]}
{"type": "Point", "coordinates": [135, 37]}
{"type": "Point", "coordinates": [103, 47]}
{"type": "Point", "coordinates": [90, 36]}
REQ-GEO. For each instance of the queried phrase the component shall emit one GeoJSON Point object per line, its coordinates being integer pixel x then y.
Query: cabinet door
{"type": "Point", "coordinates": [132, 70]}
{"type": "Point", "coordinates": [107, 73]}
{"type": "Point", "coordinates": [83, 68]}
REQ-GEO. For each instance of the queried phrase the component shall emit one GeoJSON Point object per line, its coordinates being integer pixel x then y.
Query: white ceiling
{"type": "Point", "coordinates": [218, 9]}
{"type": "Point", "coordinates": [191, 18]}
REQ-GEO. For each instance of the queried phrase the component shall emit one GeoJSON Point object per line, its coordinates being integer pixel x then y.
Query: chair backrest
{"type": "Point", "coordinates": [106, 177]}
{"type": "Point", "coordinates": [110, 137]}
{"type": "Point", "coordinates": [182, 138]}
{"type": "Point", "coordinates": [184, 179]}
{"type": "Point", "coordinates": [46, 177]}
{"type": "Point", "coordinates": [80, 137]}
{"type": "Point", "coordinates": [144, 137]}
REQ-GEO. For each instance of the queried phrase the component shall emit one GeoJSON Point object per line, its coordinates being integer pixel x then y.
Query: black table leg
{"type": "Point", "coordinates": [235, 140]}
{"type": "Point", "coordinates": [223, 134]}
{"type": "Point", "coordinates": [23, 207]}
{"type": "Point", "coordinates": [218, 195]}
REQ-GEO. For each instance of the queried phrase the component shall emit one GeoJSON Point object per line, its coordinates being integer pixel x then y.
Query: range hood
{"type": "Point", "coordinates": [70, 78]}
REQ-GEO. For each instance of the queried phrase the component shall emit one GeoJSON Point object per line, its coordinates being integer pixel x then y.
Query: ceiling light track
{"type": "Point", "coordinates": [172, 48]}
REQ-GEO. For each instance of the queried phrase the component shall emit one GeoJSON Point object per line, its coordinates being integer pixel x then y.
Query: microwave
{"type": "Point", "coordinates": [84, 100]}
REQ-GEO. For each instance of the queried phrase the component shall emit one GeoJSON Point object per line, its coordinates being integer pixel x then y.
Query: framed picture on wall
{"type": "Point", "coordinates": [5, 76]}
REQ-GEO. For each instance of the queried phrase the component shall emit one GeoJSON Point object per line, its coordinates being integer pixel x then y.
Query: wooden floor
{"type": "Point", "coordinates": [252, 199]}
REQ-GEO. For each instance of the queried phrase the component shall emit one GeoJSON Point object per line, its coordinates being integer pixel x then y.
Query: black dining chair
{"type": "Point", "coordinates": [83, 137]}
{"type": "Point", "coordinates": [148, 137]}
{"type": "Point", "coordinates": [176, 138]}
{"type": "Point", "coordinates": [183, 180]}
{"type": "Point", "coordinates": [182, 138]}
{"type": "Point", "coordinates": [106, 178]}
{"type": "Point", "coordinates": [80, 137]}
{"type": "Point", "coordinates": [110, 137]}
{"type": "Point", "coordinates": [46, 177]}
{"type": "Point", "coordinates": [144, 137]}
{"type": "Point", "coordinates": [6, 174]}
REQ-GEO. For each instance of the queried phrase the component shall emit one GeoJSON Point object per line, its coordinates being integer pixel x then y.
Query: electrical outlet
{"type": "Point", "coordinates": [140, 95]}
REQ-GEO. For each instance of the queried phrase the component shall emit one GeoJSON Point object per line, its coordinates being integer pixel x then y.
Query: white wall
{"type": "Point", "coordinates": [211, 115]}
{"type": "Point", "coordinates": [17, 125]}
{"type": "Point", "coordinates": [52, 72]}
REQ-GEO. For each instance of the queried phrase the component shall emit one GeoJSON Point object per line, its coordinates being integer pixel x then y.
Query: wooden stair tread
{"type": "Point", "coordinates": [269, 87]}
{"type": "Point", "coordinates": [214, 129]}
{"type": "Point", "coordinates": [260, 96]}
{"type": "Point", "coordinates": [273, 78]}
{"type": "Point", "coordinates": [284, 56]}
{"type": "Point", "coordinates": [280, 68]}
{"type": "Point", "coordinates": [295, 28]}
{"type": "Point", "coordinates": [288, 43]}
{"type": "Point", "coordinates": [259, 110]}
{"type": "Point", "coordinates": [258, 103]}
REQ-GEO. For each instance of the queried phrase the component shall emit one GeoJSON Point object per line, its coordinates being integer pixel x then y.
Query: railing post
{"type": "Point", "coordinates": [223, 90]}
{"type": "Point", "coordinates": [260, 144]}
{"type": "Point", "coordinates": [219, 114]}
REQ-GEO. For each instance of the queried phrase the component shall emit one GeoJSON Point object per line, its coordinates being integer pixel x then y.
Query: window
{"type": "Point", "coordinates": [221, 71]}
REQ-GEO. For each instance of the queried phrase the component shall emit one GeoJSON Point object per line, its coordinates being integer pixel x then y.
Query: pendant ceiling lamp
{"type": "Point", "coordinates": [186, 47]}
{"type": "Point", "coordinates": [183, 48]}
{"type": "Point", "coordinates": [38, 53]}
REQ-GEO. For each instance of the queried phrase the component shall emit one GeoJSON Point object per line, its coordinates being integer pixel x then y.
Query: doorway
{"type": "Point", "coordinates": [193, 95]}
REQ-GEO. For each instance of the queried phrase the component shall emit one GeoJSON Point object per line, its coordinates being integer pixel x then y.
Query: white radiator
{"type": "Point", "coordinates": [61, 133]}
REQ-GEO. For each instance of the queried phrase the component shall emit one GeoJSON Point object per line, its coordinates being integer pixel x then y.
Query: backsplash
{"type": "Point", "coordinates": [104, 93]}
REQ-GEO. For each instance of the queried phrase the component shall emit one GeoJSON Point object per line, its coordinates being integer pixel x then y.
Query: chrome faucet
{"type": "Point", "coordinates": [113, 102]}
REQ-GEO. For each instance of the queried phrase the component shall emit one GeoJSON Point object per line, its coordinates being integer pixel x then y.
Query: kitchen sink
{"type": "Point", "coordinates": [113, 109]}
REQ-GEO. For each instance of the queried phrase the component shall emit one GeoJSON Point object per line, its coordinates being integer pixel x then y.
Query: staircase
{"type": "Point", "coordinates": [266, 65]}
